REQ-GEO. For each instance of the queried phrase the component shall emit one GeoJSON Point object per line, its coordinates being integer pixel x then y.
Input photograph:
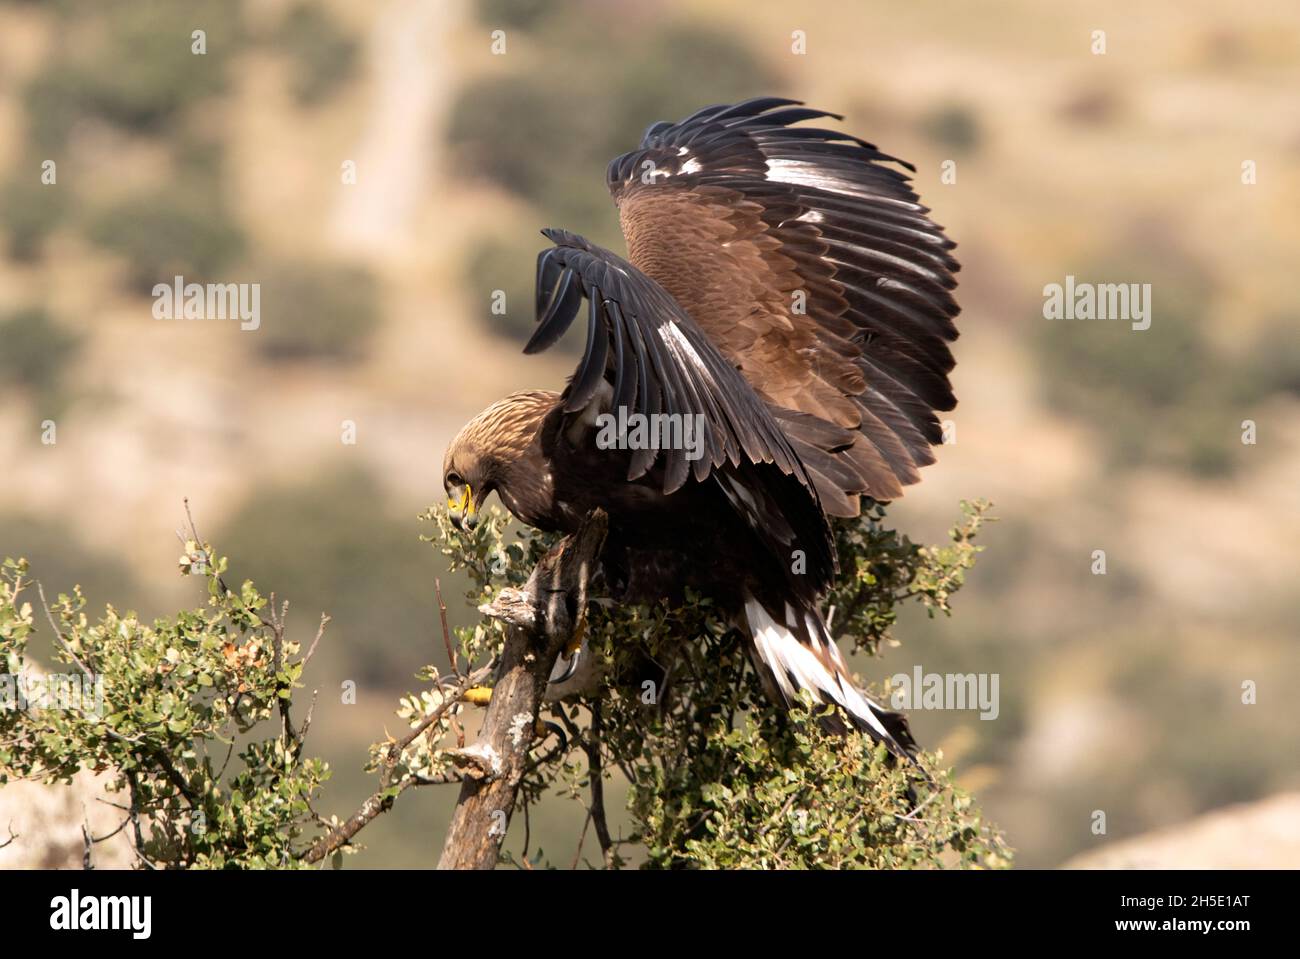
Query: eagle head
{"type": "Point", "coordinates": [497, 451]}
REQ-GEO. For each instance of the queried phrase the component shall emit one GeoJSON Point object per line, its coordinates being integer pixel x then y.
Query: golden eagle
{"type": "Point", "coordinates": [773, 348]}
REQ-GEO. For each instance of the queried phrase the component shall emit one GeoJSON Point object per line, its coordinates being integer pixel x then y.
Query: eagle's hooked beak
{"type": "Point", "coordinates": [463, 513]}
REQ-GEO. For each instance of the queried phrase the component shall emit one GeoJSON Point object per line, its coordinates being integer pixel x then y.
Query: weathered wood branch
{"type": "Point", "coordinates": [541, 620]}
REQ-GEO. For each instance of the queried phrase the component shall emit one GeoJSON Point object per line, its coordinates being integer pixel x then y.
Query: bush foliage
{"type": "Point", "coordinates": [36, 352]}
{"type": "Point", "coordinates": [716, 776]}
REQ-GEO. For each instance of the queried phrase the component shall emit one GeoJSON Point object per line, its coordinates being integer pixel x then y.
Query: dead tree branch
{"type": "Point", "coordinates": [541, 619]}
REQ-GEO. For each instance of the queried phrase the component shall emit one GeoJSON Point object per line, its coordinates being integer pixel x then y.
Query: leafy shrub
{"type": "Point", "coordinates": [160, 707]}
{"type": "Point", "coordinates": [508, 266]}
{"type": "Point", "coordinates": [525, 131]}
{"type": "Point", "coordinates": [330, 543]}
{"type": "Point", "coordinates": [316, 311]}
{"type": "Point", "coordinates": [322, 53]}
{"type": "Point", "coordinates": [132, 65]}
{"type": "Point", "coordinates": [717, 776]}
{"type": "Point", "coordinates": [29, 210]}
{"type": "Point", "coordinates": [1156, 396]}
{"type": "Point", "coordinates": [34, 351]}
{"type": "Point", "coordinates": [176, 232]}
{"type": "Point", "coordinates": [953, 126]}
{"type": "Point", "coordinates": [516, 14]}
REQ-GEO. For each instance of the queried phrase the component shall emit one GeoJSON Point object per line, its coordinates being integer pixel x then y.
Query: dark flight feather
{"type": "Point", "coordinates": [735, 209]}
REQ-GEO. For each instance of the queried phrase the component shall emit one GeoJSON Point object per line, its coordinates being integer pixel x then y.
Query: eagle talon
{"type": "Point", "coordinates": [478, 695]}
{"type": "Point", "coordinates": [571, 652]}
{"type": "Point", "coordinates": [570, 668]}
{"type": "Point", "coordinates": [545, 725]}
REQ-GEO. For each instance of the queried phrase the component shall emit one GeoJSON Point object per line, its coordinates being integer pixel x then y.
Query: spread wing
{"type": "Point", "coordinates": [810, 264]}
{"type": "Point", "coordinates": [647, 356]}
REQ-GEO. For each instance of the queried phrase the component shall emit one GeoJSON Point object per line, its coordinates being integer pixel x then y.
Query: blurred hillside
{"type": "Point", "coordinates": [1119, 692]}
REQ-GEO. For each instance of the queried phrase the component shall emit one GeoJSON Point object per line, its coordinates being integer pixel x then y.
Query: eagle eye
{"type": "Point", "coordinates": [454, 479]}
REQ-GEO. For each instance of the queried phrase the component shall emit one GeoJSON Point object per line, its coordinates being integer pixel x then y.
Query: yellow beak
{"type": "Point", "coordinates": [462, 511]}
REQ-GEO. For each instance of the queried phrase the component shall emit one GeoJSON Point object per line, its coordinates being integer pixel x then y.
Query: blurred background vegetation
{"type": "Point", "coordinates": [1119, 692]}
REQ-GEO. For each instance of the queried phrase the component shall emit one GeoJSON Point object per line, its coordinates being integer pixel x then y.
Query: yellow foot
{"type": "Point", "coordinates": [544, 728]}
{"type": "Point", "coordinates": [479, 695]}
{"type": "Point", "coordinates": [575, 643]}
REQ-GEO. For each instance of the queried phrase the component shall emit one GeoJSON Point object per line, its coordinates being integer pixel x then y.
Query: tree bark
{"type": "Point", "coordinates": [540, 621]}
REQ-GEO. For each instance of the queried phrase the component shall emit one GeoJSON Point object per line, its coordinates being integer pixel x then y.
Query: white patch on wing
{"type": "Point", "coordinates": [681, 347]}
{"type": "Point", "coordinates": [899, 262]}
{"type": "Point", "coordinates": [812, 174]}
{"type": "Point", "coordinates": [692, 166]}
{"type": "Point", "coordinates": [812, 216]}
{"type": "Point", "coordinates": [804, 173]}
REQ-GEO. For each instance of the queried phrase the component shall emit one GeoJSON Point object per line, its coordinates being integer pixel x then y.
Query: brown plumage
{"type": "Point", "coordinates": [785, 291]}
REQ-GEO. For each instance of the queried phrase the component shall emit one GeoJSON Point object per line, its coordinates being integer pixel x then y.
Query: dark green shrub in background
{"type": "Point", "coordinates": [1156, 396]}
{"type": "Point", "coordinates": [130, 63]}
{"type": "Point", "coordinates": [569, 140]}
{"type": "Point", "coordinates": [1272, 364]}
{"type": "Point", "coordinates": [323, 55]}
{"type": "Point", "coordinates": [315, 311]}
{"type": "Point", "coordinates": [172, 233]}
{"type": "Point", "coordinates": [518, 14]}
{"type": "Point", "coordinates": [509, 266]}
{"type": "Point", "coordinates": [953, 126]}
{"type": "Point", "coordinates": [58, 548]}
{"type": "Point", "coordinates": [331, 543]}
{"type": "Point", "coordinates": [34, 351]}
{"type": "Point", "coordinates": [29, 210]}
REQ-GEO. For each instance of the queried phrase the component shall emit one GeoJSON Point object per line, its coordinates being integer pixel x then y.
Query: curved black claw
{"type": "Point", "coordinates": [570, 668]}
{"type": "Point", "coordinates": [556, 728]}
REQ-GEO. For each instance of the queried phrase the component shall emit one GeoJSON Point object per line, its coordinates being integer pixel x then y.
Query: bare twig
{"type": "Point", "coordinates": [528, 836]}
{"type": "Point", "coordinates": [306, 722]}
{"type": "Point", "coordinates": [107, 836]}
{"type": "Point", "coordinates": [194, 532]}
{"type": "Point", "coordinates": [58, 634]}
{"type": "Point", "coordinates": [595, 773]}
{"type": "Point", "coordinates": [446, 632]}
{"type": "Point", "coordinates": [320, 631]}
{"type": "Point", "coordinates": [137, 832]}
{"type": "Point", "coordinates": [911, 816]}
{"type": "Point", "coordinates": [582, 837]}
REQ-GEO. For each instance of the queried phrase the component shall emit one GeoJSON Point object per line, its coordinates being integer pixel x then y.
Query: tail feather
{"type": "Point", "coordinates": [798, 652]}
